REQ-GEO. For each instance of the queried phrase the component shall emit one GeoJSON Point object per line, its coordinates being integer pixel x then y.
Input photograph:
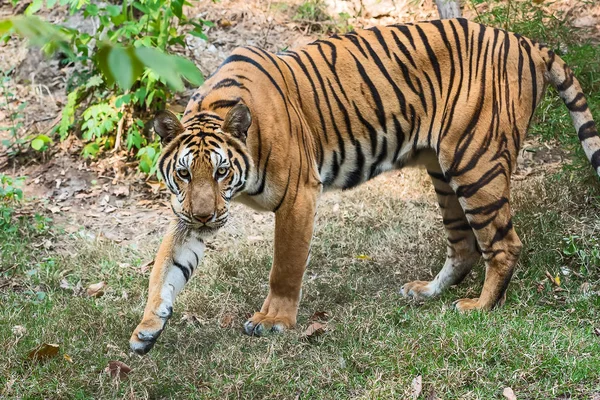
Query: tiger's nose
{"type": "Point", "coordinates": [204, 218]}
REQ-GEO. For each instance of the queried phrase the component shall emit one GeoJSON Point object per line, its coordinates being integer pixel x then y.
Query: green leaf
{"type": "Point", "coordinates": [37, 144]}
{"type": "Point", "coordinates": [90, 150]}
{"type": "Point", "coordinates": [177, 8]}
{"type": "Point", "coordinates": [162, 64]}
{"type": "Point", "coordinates": [5, 26]}
{"type": "Point", "coordinates": [189, 71]}
{"type": "Point", "coordinates": [113, 10]}
{"type": "Point", "coordinates": [34, 7]}
{"type": "Point", "coordinates": [102, 62]}
{"type": "Point", "coordinates": [121, 67]}
{"type": "Point", "coordinates": [199, 34]}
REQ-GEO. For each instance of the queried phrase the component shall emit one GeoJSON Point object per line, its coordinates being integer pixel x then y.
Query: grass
{"type": "Point", "coordinates": [541, 343]}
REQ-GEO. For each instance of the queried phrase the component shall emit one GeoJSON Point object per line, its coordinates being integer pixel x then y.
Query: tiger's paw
{"type": "Point", "coordinates": [261, 324]}
{"type": "Point", "coordinates": [145, 334]}
{"type": "Point", "coordinates": [418, 290]}
{"type": "Point", "coordinates": [466, 305]}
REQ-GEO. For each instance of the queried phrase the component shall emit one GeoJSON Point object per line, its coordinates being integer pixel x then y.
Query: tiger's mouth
{"type": "Point", "coordinates": [203, 228]}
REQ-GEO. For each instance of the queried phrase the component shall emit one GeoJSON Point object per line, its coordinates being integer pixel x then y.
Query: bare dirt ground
{"type": "Point", "coordinates": [108, 199]}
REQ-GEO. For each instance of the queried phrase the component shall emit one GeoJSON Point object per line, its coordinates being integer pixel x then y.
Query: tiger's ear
{"type": "Point", "coordinates": [167, 126]}
{"type": "Point", "coordinates": [237, 121]}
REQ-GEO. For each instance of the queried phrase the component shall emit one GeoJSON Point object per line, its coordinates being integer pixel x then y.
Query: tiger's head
{"type": "Point", "coordinates": [204, 164]}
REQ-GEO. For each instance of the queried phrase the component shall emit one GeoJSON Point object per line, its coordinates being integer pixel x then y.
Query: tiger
{"type": "Point", "coordinates": [275, 131]}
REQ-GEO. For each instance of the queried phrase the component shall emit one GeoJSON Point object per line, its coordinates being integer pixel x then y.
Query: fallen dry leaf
{"type": "Point", "coordinates": [146, 266]}
{"type": "Point", "coordinates": [555, 280]}
{"type": "Point", "coordinates": [44, 351]}
{"type": "Point", "coordinates": [597, 331]}
{"type": "Point", "coordinates": [68, 358]}
{"type": "Point", "coordinates": [190, 318]}
{"type": "Point", "coordinates": [417, 387]}
{"type": "Point", "coordinates": [19, 330]}
{"type": "Point", "coordinates": [121, 191]}
{"type": "Point", "coordinates": [314, 330]}
{"type": "Point", "coordinates": [509, 394]}
{"type": "Point", "coordinates": [117, 369]}
{"type": "Point", "coordinates": [363, 257]}
{"type": "Point", "coordinates": [224, 23]}
{"type": "Point", "coordinates": [227, 321]}
{"type": "Point", "coordinates": [96, 290]}
{"type": "Point", "coordinates": [319, 316]}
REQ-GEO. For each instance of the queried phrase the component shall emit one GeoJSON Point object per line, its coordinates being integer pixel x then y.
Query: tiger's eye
{"type": "Point", "coordinates": [183, 173]}
{"type": "Point", "coordinates": [222, 171]}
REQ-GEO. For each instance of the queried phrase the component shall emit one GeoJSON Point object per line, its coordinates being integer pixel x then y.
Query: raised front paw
{"type": "Point", "coordinates": [261, 324]}
{"type": "Point", "coordinates": [417, 290]}
{"type": "Point", "coordinates": [145, 334]}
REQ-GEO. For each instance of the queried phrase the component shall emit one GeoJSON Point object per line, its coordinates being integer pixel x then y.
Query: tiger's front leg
{"type": "Point", "coordinates": [178, 256]}
{"type": "Point", "coordinates": [293, 233]}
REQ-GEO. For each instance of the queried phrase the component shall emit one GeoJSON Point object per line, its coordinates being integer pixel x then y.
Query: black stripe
{"type": "Point", "coordinates": [437, 175]}
{"type": "Point", "coordinates": [587, 130]}
{"type": "Point", "coordinates": [370, 129]}
{"type": "Point", "coordinates": [431, 54]}
{"type": "Point", "coordinates": [184, 270]}
{"type": "Point", "coordinates": [403, 49]}
{"type": "Point", "coordinates": [263, 179]}
{"type": "Point", "coordinates": [355, 176]}
{"type": "Point", "coordinates": [488, 209]}
{"type": "Point", "coordinates": [596, 160]}
{"type": "Point", "coordinates": [379, 108]}
{"type": "Point", "coordinates": [572, 105]}
{"type": "Point", "coordinates": [382, 155]}
{"type": "Point", "coordinates": [228, 82]}
{"type": "Point", "coordinates": [380, 39]}
{"type": "Point", "coordinates": [501, 233]}
{"type": "Point", "coordinates": [391, 81]}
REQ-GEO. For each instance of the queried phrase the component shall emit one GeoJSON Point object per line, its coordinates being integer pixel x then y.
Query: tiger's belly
{"type": "Point", "coordinates": [349, 176]}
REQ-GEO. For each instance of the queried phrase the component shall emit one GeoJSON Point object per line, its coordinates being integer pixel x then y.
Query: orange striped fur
{"type": "Point", "coordinates": [275, 130]}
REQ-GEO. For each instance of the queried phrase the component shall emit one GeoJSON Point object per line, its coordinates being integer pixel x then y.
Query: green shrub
{"type": "Point", "coordinates": [124, 73]}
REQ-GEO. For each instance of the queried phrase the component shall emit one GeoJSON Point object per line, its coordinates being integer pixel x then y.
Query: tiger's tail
{"type": "Point", "coordinates": [561, 76]}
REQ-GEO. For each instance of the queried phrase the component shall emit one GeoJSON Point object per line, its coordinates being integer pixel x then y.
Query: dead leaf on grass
{"type": "Point", "coordinates": [190, 318]}
{"type": "Point", "coordinates": [509, 394]}
{"type": "Point", "coordinates": [363, 257]}
{"type": "Point", "coordinates": [597, 331]}
{"type": "Point", "coordinates": [44, 351]}
{"type": "Point", "coordinates": [314, 330]}
{"type": "Point", "coordinates": [227, 321]}
{"type": "Point", "coordinates": [117, 369]}
{"type": "Point", "coordinates": [319, 316]}
{"type": "Point", "coordinates": [417, 386]}
{"type": "Point", "coordinates": [555, 280]}
{"type": "Point", "coordinates": [96, 290]}
{"type": "Point", "coordinates": [146, 266]}
{"type": "Point", "coordinates": [68, 358]}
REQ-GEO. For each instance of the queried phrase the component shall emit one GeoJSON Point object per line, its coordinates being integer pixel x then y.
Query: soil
{"type": "Point", "coordinates": [107, 198]}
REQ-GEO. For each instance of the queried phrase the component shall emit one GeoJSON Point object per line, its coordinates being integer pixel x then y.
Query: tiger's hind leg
{"type": "Point", "coordinates": [462, 251]}
{"type": "Point", "coordinates": [484, 195]}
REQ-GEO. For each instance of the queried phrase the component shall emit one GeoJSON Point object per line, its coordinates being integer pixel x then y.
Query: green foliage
{"type": "Point", "coordinates": [585, 252]}
{"type": "Point", "coordinates": [10, 194]}
{"type": "Point", "coordinates": [124, 71]}
{"type": "Point", "coordinates": [312, 10]}
{"type": "Point", "coordinates": [15, 141]}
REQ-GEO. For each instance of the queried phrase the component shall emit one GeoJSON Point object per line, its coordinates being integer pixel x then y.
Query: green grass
{"type": "Point", "coordinates": [541, 343]}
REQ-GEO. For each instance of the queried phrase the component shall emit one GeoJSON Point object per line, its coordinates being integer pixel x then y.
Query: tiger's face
{"type": "Point", "coordinates": [204, 165]}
